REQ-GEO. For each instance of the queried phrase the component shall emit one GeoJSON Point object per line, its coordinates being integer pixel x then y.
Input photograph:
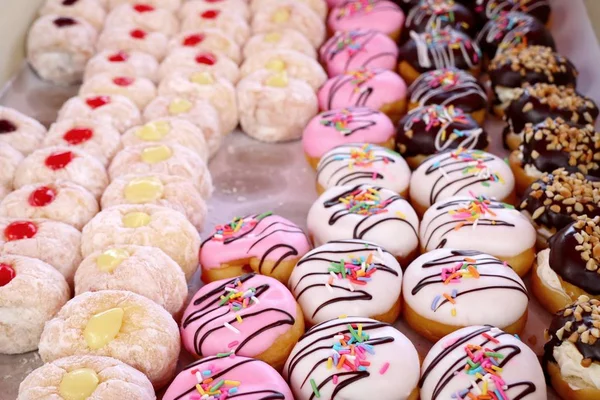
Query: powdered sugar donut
{"type": "Point", "coordinates": [144, 16]}
{"type": "Point", "coordinates": [95, 137]}
{"type": "Point", "coordinates": [58, 48]}
{"type": "Point", "coordinates": [170, 159]}
{"type": "Point", "coordinates": [89, 10]}
{"type": "Point", "coordinates": [318, 6]}
{"type": "Point", "coordinates": [288, 14]}
{"type": "Point", "coordinates": [211, 323]}
{"type": "Point", "coordinates": [171, 5]}
{"type": "Point", "coordinates": [21, 132]}
{"type": "Point", "coordinates": [62, 163]}
{"type": "Point", "coordinates": [288, 39]}
{"type": "Point", "coordinates": [124, 63]}
{"type": "Point", "coordinates": [273, 107]}
{"type": "Point", "coordinates": [139, 90]}
{"type": "Point", "coordinates": [199, 112]}
{"type": "Point", "coordinates": [169, 191]}
{"type": "Point", "coordinates": [208, 40]}
{"type": "Point", "coordinates": [144, 270]}
{"type": "Point", "coordinates": [144, 225]}
{"type": "Point", "coordinates": [219, 92]}
{"type": "Point", "coordinates": [368, 213]}
{"type": "Point", "coordinates": [100, 378]}
{"type": "Point", "coordinates": [395, 377]}
{"type": "Point", "coordinates": [192, 60]}
{"type": "Point", "coordinates": [119, 324]}
{"type": "Point", "coordinates": [61, 201]}
{"type": "Point", "coordinates": [10, 160]}
{"type": "Point", "coordinates": [199, 7]}
{"type": "Point", "coordinates": [381, 15]}
{"type": "Point", "coordinates": [297, 65]}
{"type": "Point", "coordinates": [31, 292]}
{"type": "Point", "coordinates": [231, 23]}
{"type": "Point", "coordinates": [134, 39]}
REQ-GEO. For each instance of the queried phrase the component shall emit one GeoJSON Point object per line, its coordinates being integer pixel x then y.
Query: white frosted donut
{"type": "Point", "coordinates": [171, 5]}
{"type": "Point", "coordinates": [102, 378]}
{"type": "Point", "coordinates": [52, 242]}
{"type": "Point", "coordinates": [392, 362]}
{"type": "Point", "coordinates": [144, 225]}
{"type": "Point", "coordinates": [189, 60]}
{"type": "Point", "coordinates": [58, 48]}
{"type": "Point", "coordinates": [134, 39]}
{"type": "Point", "coordinates": [23, 133]}
{"type": "Point", "coordinates": [169, 191]}
{"type": "Point", "coordinates": [210, 40]}
{"type": "Point", "coordinates": [169, 159]}
{"type": "Point", "coordinates": [145, 16]}
{"type": "Point", "coordinates": [318, 6]}
{"type": "Point", "coordinates": [10, 160]}
{"type": "Point", "coordinates": [119, 324]}
{"type": "Point", "coordinates": [359, 163]}
{"type": "Point", "coordinates": [96, 137]}
{"type": "Point", "coordinates": [296, 64]}
{"type": "Point", "coordinates": [231, 23]}
{"type": "Point", "coordinates": [325, 293]}
{"type": "Point", "coordinates": [198, 7]}
{"type": "Point", "coordinates": [61, 201]}
{"type": "Point", "coordinates": [289, 39]}
{"type": "Point", "coordinates": [31, 292]}
{"type": "Point", "coordinates": [199, 112]}
{"type": "Point", "coordinates": [139, 90]}
{"type": "Point", "coordinates": [144, 270]}
{"type": "Point", "coordinates": [124, 63]}
{"type": "Point", "coordinates": [90, 10]}
{"type": "Point", "coordinates": [368, 213]}
{"type": "Point", "coordinates": [274, 107]}
{"type": "Point", "coordinates": [219, 92]}
{"type": "Point", "coordinates": [52, 164]}
{"type": "Point", "coordinates": [449, 370]}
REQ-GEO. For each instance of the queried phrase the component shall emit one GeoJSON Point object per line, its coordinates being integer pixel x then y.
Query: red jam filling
{"type": "Point", "coordinates": [42, 196]}
{"type": "Point", "coordinates": [193, 40]}
{"type": "Point", "coordinates": [210, 14]}
{"type": "Point", "coordinates": [77, 136]}
{"type": "Point", "coordinates": [123, 81]}
{"type": "Point", "coordinates": [59, 160]}
{"type": "Point", "coordinates": [7, 274]}
{"type": "Point", "coordinates": [138, 34]}
{"type": "Point", "coordinates": [206, 58]}
{"type": "Point", "coordinates": [20, 230]}
{"type": "Point", "coordinates": [97, 102]}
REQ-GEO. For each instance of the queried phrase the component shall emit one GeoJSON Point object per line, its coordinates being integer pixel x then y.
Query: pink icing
{"type": "Point", "coordinates": [257, 379]}
{"type": "Point", "coordinates": [356, 49]}
{"type": "Point", "coordinates": [265, 236]}
{"type": "Point", "coordinates": [203, 329]}
{"type": "Point", "coordinates": [364, 88]}
{"type": "Point", "coordinates": [381, 15]}
{"type": "Point", "coordinates": [349, 125]}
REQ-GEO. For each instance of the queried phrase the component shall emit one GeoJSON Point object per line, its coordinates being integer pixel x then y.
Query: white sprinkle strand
{"type": "Point", "coordinates": [231, 328]}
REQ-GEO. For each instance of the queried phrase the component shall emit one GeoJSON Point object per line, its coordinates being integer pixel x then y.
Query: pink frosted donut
{"type": "Point", "coordinates": [127, 63]}
{"type": "Point", "coordinates": [212, 40]}
{"type": "Point", "coordinates": [145, 16]}
{"type": "Point", "coordinates": [116, 110]}
{"type": "Point", "coordinates": [134, 38]}
{"type": "Point", "coordinates": [257, 380]}
{"type": "Point", "coordinates": [23, 133]}
{"type": "Point", "coordinates": [10, 160]}
{"type": "Point", "coordinates": [381, 15]}
{"type": "Point", "coordinates": [360, 48]}
{"type": "Point", "coordinates": [193, 60]}
{"type": "Point", "coordinates": [139, 90]}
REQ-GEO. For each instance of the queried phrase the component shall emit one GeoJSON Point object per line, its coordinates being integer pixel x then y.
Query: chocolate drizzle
{"type": "Point", "coordinates": [437, 14]}
{"type": "Point", "coordinates": [351, 44]}
{"type": "Point", "coordinates": [362, 88]}
{"type": "Point", "coordinates": [356, 119]}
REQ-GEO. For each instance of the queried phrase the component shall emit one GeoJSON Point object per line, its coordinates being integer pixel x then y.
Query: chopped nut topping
{"type": "Point", "coordinates": [532, 58]}
{"type": "Point", "coordinates": [560, 98]}
{"type": "Point", "coordinates": [580, 326]}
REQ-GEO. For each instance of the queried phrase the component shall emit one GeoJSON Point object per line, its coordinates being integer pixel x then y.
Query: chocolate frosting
{"type": "Point", "coordinates": [490, 9]}
{"type": "Point", "coordinates": [437, 14]}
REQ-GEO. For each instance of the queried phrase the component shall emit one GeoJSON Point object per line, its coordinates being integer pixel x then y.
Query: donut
{"type": "Point", "coordinates": [191, 60]}
{"type": "Point", "coordinates": [406, 5]}
{"type": "Point", "coordinates": [264, 243]}
{"type": "Point", "coordinates": [198, 7]}
{"type": "Point", "coordinates": [171, 5]}
{"type": "Point", "coordinates": [492, 9]}
{"type": "Point", "coordinates": [118, 324]}
{"type": "Point", "coordinates": [450, 87]}
{"type": "Point", "coordinates": [369, 213]}
{"type": "Point", "coordinates": [163, 190]}
{"type": "Point", "coordinates": [381, 15]}
{"type": "Point", "coordinates": [356, 49]}
{"type": "Point", "coordinates": [10, 160]}
{"type": "Point", "coordinates": [480, 224]}
{"type": "Point", "coordinates": [147, 271]}
{"type": "Point", "coordinates": [127, 63]}
{"type": "Point", "coordinates": [55, 243]}
{"type": "Point", "coordinates": [139, 90]}
{"type": "Point", "coordinates": [144, 225]}
{"type": "Point", "coordinates": [428, 130]}
{"type": "Point", "coordinates": [52, 164]}
{"type": "Point", "coordinates": [350, 277]}
{"type": "Point", "coordinates": [144, 16]}
{"type": "Point", "coordinates": [358, 163]}
{"type": "Point", "coordinates": [208, 40]}
{"type": "Point", "coordinates": [461, 172]}
{"type": "Point", "coordinates": [318, 6]}
{"type": "Point", "coordinates": [241, 376]}
{"type": "Point", "coordinates": [100, 378]}
{"type": "Point", "coordinates": [570, 357]}
{"type": "Point", "coordinates": [446, 290]}
{"type": "Point", "coordinates": [232, 24]}
{"type": "Point", "coordinates": [429, 15]}
{"type": "Point", "coordinates": [332, 128]}
{"type": "Point", "coordinates": [61, 201]}
{"type": "Point", "coordinates": [377, 89]}
{"type": "Point", "coordinates": [517, 67]}
{"type": "Point", "coordinates": [88, 10]}
{"type": "Point", "coordinates": [58, 48]}
{"type": "Point", "coordinates": [116, 110]}
{"type": "Point", "coordinates": [554, 144]}
{"type": "Point", "coordinates": [274, 106]}
{"type": "Point", "coordinates": [224, 317]}
{"type": "Point", "coordinates": [350, 357]}
{"type": "Point", "coordinates": [23, 133]}
{"type": "Point", "coordinates": [134, 39]}
{"type": "Point", "coordinates": [462, 365]}
{"type": "Point", "coordinates": [287, 39]}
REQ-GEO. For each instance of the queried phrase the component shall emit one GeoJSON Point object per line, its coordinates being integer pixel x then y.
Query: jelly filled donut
{"type": "Point", "coordinates": [318, 6]}
{"type": "Point", "coordinates": [139, 90]}
{"type": "Point", "coordinates": [446, 290]}
{"type": "Point", "coordinates": [492, 9]}
{"type": "Point", "coordinates": [116, 110]}
{"type": "Point", "coordinates": [233, 24]}
{"type": "Point", "coordinates": [368, 213]}
{"type": "Point", "coordinates": [432, 129]}
{"type": "Point", "coordinates": [250, 316]}
{"type": "Point", "coordinates": [209, 40]}
{"type": "Point", "coordinates": [23, 133]}
{"type": "Point", "coordinates": [10, 160]}
{"type": "Point", "coordinates": [461, 172]}
{"type": "Point", "coordinates": [478, 361]}
{"type": "Point", "coordinates": [144, 16]}
{"type": "Point", "coordinates": [199, 7]}
{"type": "Point", "coordinates": [127, 63]}
{"type": "Point", "coordinates": [265, 243]}
{"type": "Point", "coordinates": [481, 224]}
{"type": "Point", "coordinates": [132, 39]}
{"type": "Point", "coordinates": [91, 11]}
{"type": "Point", "coordinates": [431, 15]}
{"type": "Point", "coordinates": [381, 15]}
{"type": "Point", "coordinates": [351, 277]}
{"type": "Point", "coordinates": [349, 357]}
{"type": "Point", "coordinates": [289, 39]}
{"type": "Point", "coordinates": [172, 5]}
{"type": "Point", "coordinates": [189, 60]}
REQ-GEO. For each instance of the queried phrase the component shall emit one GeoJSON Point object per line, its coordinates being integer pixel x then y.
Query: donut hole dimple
{"type": "Point", "coordinates": [7, 126]}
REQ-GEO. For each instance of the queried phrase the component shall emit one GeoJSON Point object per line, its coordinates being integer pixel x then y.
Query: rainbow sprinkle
{"type": "Point", "coordinates": [237, 226]}
{"type": "Point", "coordinates": [442, 78]}
{"type": "Point", "coordinates": [210, 389]}
{"type": "Point", "coordinates": [340, 121]}
{"type": "Point", "coordinates": [354, 7]}
{"type": "Point", "coordinates": [349, 351]}
{"type": "Point", "coordinates": [476, 165]}
{"type": "Point", "coordinates": [349, 41]}
{"type": "Point", "coordinates": [474, 210]}
{"type": "Point", "coordinates": [365, 202]}
{"type": "Point", "coordinates": [236, 298]}
{"type": "Point", "coordinates": [465, 269]}
{"type": "Point", "coordinates": [360, 77]}
{"type": "Point", "coordinates": [450, 39]}
{"type": "Point", "coordinates": [356, 270]}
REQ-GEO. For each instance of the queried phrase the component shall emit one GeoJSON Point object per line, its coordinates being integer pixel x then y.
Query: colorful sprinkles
{"type": "Point", "coordinates": [237, 226]}
{"type": "Point", "coordinates": [210, 389]}
{"type": "Point", "coordinates": [474, 210]}
{"type": "Point", "coordinates": [354, 7]}
{"type": "Point", "coordinates": [476, 166]}
{"type": "Point", "coordinates": [237, 298]}
{"type": "Point", "coordinates": [359, 78]}
{"type": "Point", "coordinates": [356, 270]}
{"type": "Point", "coordinates": [465, 269]}
{"type": "Point", "coordinates": [340, 121]}
{"type": "Point", "coordinates": [365, 202]}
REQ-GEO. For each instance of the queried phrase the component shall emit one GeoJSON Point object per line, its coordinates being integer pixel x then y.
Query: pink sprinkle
{"type": "Point", "coordinates": [374, 177]}
{"type": "Point", "coordinates": [195, 397]}
{"type": "Point", "coordinates": [233, 344]}
{"type": "Point", "coordinates": [335, 379]}
{"type": "Point", "coordinates": [384, 368]}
